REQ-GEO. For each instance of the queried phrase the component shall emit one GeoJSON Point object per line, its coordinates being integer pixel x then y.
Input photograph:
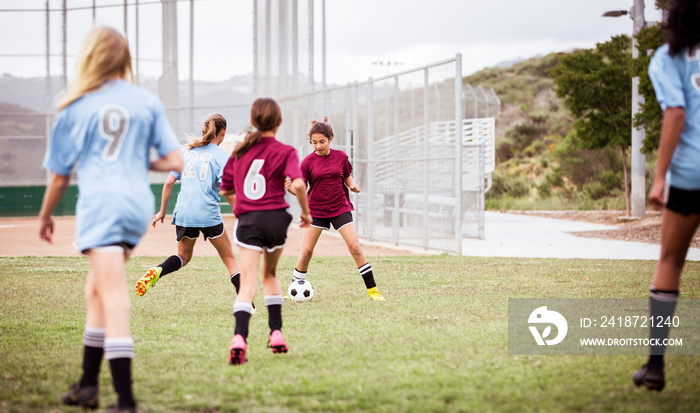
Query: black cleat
{"type": "Point", "coordinates": [88, 396]}
{"type": "Point", "coordinates": [653, 379]}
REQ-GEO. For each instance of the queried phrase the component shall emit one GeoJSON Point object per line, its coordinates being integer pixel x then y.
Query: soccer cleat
{"type": "Point", "coordinates": [277, 343]}
{"type": "Point", "coordinates": [653, 379]}
{"type": "Point", "coordinates": [87, 397]}
{"type": "Point", "coordinates": [375, 295]}
{"type": "Point", "coordinates": [238, 349]}
{"type": "Point", "coordinates": [117, 409]}
{"type": "Point", "coordinates": [148, 280]}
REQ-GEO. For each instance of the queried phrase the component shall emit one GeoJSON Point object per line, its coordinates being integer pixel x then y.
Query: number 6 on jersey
{"type": "Point", "coordinates": [254, 184]}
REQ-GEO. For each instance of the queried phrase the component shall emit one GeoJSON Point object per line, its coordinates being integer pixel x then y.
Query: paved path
{"type": "Point", "coordinates": [512, 235]}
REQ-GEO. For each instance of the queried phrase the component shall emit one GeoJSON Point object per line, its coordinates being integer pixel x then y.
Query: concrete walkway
{"type": "Point", "coordinates": [512, 235]}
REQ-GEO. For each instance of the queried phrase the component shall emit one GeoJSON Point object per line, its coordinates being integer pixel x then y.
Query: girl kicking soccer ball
{"type": "Point", "coordinates": [107, 126]}
{"type": "Point", "coordinates": [197, 209]}
{"type": "Point", "coordinates": [327, 172]}
{"type": "Point", "coordinates": [256, 173]}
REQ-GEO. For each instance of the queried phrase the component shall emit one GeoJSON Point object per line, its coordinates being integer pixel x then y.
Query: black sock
{"type": "Point", "coordinates": [242, 311]}
{"type": "Point", "coordinates": [93, 345]}
{"type": "Point", "coordinates": [92, 360]}
{"type": "Point", "coordinates": [662, 305]}
{"type": "Point", "coordinates": [367, 275]}
{"type": "Point", "coordinates": [274, 311]}
{"type": "Point", "coordinates": [121, 376]}
{"type": "Point", "coordinates": [171, 264]}
{"type": "Point", "coordinates": [236, 281]}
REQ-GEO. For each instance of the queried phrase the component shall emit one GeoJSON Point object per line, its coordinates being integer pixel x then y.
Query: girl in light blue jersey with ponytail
{"type": "Point", "coordinates": [197, 209]}
{"type": "Point", "coordinates": [106, 128]}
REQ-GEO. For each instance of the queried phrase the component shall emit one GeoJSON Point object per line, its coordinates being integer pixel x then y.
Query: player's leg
{"type": "Point", "coordinates": [249, 261]}
{"type": "Point", "coordinates": [308, 243]}
{"type": "Point", "coordinates": [185, 249]}
{"type": "Point", "coordinates": [349, 235]}
{"type": "Point", "coordinates": [108, 265]}
{"type": "Point", "coordinates": [224, 247]}
{"type": "Point", "coordinates": [273, 300]}
{"type": "Point", "coordinates": [676, 234]}
{"type": "Point", "coordinates": [85, 392]}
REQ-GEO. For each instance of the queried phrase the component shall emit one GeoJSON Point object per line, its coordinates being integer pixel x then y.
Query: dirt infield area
{"type": "Point", "coordinates": [20, 237]}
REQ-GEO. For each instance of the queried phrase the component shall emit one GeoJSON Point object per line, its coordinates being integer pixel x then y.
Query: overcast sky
{"type": "Point", "coordinates": [359, 33]}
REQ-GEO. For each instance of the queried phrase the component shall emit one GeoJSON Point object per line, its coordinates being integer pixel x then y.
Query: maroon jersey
{"type": "Point", "coordinates": [258, 176]}
{"type": "Point", "coordinates": [328, 195]}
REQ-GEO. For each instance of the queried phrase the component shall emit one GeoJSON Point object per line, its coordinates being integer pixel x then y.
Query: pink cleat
{"type": "Point", "coordinates": [238, 350]}
{"type": "Point", "coordinates": [277, 343]}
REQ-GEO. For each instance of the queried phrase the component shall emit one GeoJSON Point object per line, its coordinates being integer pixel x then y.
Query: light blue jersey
{"type": "Point", "coordinates": [198, 201]}
{"type": "Point", "coordinates": [110, 133]}
{"type": "Point", "coordinates": [676, 82]}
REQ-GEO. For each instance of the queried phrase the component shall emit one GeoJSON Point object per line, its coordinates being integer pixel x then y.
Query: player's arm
{"type": "Point", "coordinates": [164, 198]}
{"type": "Point", "coordinates": [299, 188]}
{"type": "Point", "coordinates": [352, 185]}
{"type": "Point", "coordinates": [170, 162]}
{"type": "Point", "coordinates": [231, 199]}
{"type": "Point", "coordinates": [671, 129]}
{"type": "Point", "coordinates": [54, 193]}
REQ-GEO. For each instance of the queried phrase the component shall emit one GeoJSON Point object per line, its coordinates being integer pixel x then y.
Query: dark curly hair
{"type": "Point", "coordinates": [682, 26]}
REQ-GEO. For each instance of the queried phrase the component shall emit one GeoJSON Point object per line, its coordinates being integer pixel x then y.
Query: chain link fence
{"type": "Point", "coordinates": [423, 178]}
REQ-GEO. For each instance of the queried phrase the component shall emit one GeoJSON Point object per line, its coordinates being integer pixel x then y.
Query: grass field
{"type": "Point", "coordinates": [439, 342]}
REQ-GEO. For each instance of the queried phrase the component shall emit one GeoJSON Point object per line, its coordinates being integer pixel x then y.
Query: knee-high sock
{"type": "Point", "coordinates": [662, 305]}
{"type": "Point", "coordinates": [119, 351]}
{"type": "Point", "coordinates": [93, 341]}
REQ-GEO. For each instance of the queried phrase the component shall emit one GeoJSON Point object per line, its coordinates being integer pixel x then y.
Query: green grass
{"type": "Point", "coordinates": [439, 342]}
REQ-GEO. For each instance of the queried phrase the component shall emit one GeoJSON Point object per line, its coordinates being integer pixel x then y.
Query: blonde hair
{"type": "Point", "coordinates": [104, 54]}
{"type": "Point", "coordinates": [214, 124]}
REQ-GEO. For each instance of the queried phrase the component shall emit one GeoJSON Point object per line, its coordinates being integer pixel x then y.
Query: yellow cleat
{"type": "Point", "coordinates": [375, 295]}
{"type": "Point", "coordinates": [148, 280]}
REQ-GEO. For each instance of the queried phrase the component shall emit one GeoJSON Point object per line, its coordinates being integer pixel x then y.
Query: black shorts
{"type": "Point", "coordinates": [256, 230]}
{"type": "Point", "coordinates": [193, 232]}
{"type": "Point", "coordinates": [338, 222]}
{"type": "Point", "coordinates": [683, 201]}
{"type": "Point", "coordinates": [125, 246]}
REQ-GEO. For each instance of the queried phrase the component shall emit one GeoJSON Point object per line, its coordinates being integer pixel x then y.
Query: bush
{"type": "Point", "coordinates": [554, 179]}
{"type": "Point", "coordinates": [501, 185]}
{"type": "Point", "coordinates": [610, 180]}
{"type": "Point", "coordinates": [544, 189]}
{"type": "Point", "coordinates": [595, 190]}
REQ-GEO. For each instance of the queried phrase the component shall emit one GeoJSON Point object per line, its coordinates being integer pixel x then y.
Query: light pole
{"type": "Point", "coordinates": [638, 197]}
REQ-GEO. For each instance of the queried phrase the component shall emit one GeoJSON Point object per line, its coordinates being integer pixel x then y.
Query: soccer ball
{"type": "Point", "coordinates": [300, 290]}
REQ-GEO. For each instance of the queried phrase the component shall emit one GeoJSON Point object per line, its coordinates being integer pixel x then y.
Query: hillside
{"type": "Point", "coordinates": [539, 161]}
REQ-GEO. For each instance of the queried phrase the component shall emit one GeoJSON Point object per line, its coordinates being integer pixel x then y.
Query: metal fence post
{"type": "Point", "coordinates": [426, 166]}
{"type": "Point", "coordinates": [370, 162]}
{"type": "Point", "coordinates": [458, 154]}
{"type": "Point", "coordinates": [397, 181]}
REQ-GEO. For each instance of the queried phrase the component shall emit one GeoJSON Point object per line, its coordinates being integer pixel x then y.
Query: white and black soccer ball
{"type": "Point", "coordinates": [300, 290]}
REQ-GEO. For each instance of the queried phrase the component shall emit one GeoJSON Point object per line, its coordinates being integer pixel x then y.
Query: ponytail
{"type": "Point", "coordinates": [251, 138]}
{"type": "Point", "coordinates": [214, 124]}
{"type": "Point", "coordinates": [265, 116]}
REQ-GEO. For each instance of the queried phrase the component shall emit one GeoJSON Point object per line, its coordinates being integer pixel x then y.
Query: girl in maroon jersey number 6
{"type": "Point", "coordinates": [255, 174]}
{"type": "Point", "coordinates": [327, 171]}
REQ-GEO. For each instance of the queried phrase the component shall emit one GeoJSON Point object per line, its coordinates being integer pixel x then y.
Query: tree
{"type": "Point", "coordinates": [649, 116]}
{"type": "Point", "coordinates": [595, 85]}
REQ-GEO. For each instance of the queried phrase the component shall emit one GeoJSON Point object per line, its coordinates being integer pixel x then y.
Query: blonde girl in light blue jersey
{"type": "Point", "coordinates": [106, 128]}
